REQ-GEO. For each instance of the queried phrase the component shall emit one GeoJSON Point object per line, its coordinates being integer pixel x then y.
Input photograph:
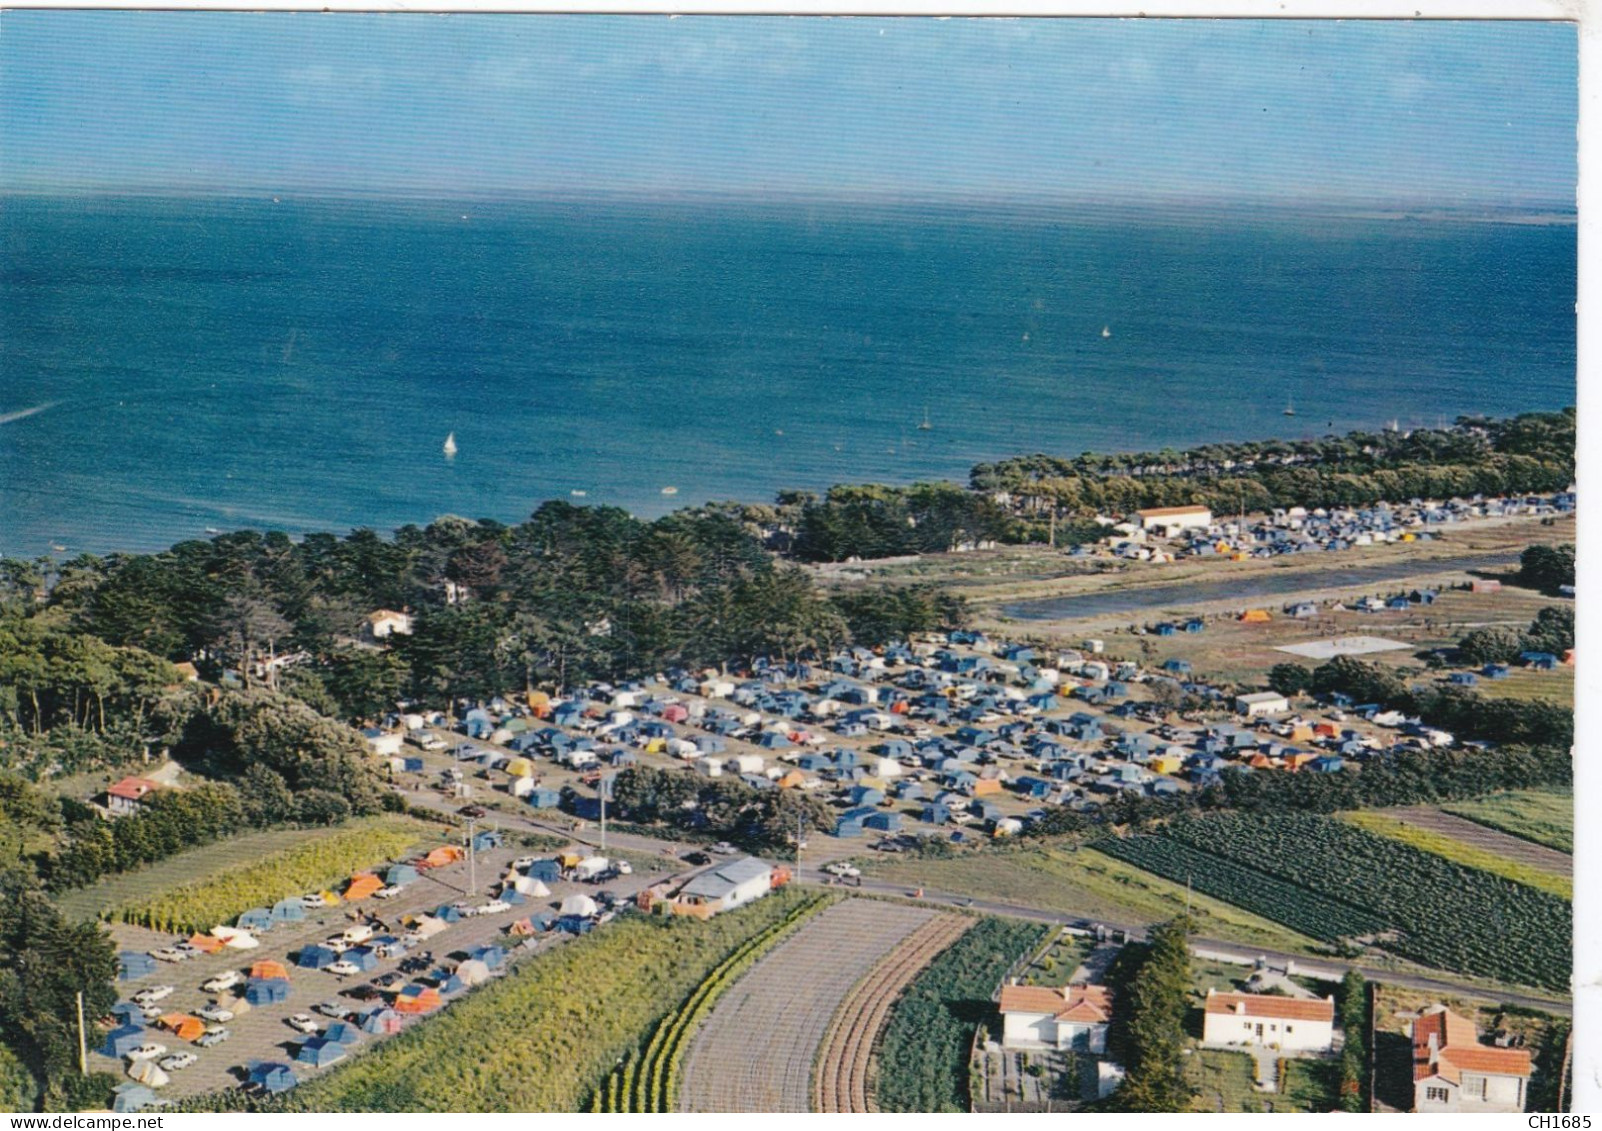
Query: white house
{"type": "Point", "coordinates": [1070, 1017]}
{"type": "Point", "coordinates": [1261, 704]}
{"type": "Point", "coordinates": [383, 623]}
{"type": "Point", "coordinates": [1171, 520]}
{"type": "Point", "coordinates": [124, 798]}
{"type": "Point", "coordinates": [726, 886]}
{"type": "Point", "coordinates": [1269, 1021]}
{"type": "Point", "coordinates": [386, 744]}
{"type": "Point", "coordinates": [1452, 1071]}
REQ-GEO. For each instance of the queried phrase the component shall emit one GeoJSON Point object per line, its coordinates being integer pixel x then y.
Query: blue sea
{"type": "Point", "coordinates": [217, 363]}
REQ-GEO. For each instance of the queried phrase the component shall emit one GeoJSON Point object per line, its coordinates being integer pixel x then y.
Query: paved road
{"type": "Point", "coordinates": [1246, 589]}
{"type": "Point", "coordinates": [1220, 950]}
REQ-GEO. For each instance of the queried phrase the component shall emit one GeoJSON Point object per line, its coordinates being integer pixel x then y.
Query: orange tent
{"type": "Point", "coordinates": [1327, 730]}
{"type": "Point", "coordinates": [445, 854]}
{"type": "Point", "coordinates": [267, 968]}
{"type": "Point", "coordinates": [425, 1002]}
{"type": "Point", "coordinates": [986, 785]}
{"type": "Point", "coordinates": [1260, 762]}
{"type": "Point", "coordinates": [183, 1026]}
{"type": "Point", "coordinates": [1299, 759]}
{"type": "Point", "coordinates": [1301, 732]}
{"type": "Point", "coordinates": [362, 885]}
{"type": "Point", "coordinates": [210, 944]}
{"type": "Point", "coordinates": [1255, 616]}
{"type": "Point", "coordinates": [792, 780]}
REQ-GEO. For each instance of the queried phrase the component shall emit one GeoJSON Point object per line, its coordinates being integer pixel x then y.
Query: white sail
{"type": "Point", "coordinates": [450, 444]}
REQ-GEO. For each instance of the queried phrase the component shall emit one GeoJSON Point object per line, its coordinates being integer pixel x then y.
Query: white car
{"type": "Point", "coordinates": [389, 892]}
{"type": "Point", "coordinates": [313, 901]}
{"type": "Point", "coordinates": [214, 1012]}
{"type": "Point", "coordinates": [178, 1061]}
{"type": "Point", "coordinates": [494, 906]}
{"type": "Point", "coordinates": [343, 969]}
{"type": "Point", "coordinates": [334, 1009]}
{"type": "Point", "coordinates": [152, 994]}
{"type": "Point", "coordinates": [168, 954]}
{"type": "Point", "coordinates": [724, 848]}
{"type": "Point", "coordinates": [523, 863]}
{"type": "Point", "coordinates": [151, 1012]}
{"type": "Point", "coordinates": [214, 1037]}
{"type": "Point", "coordinates": [303, 1023]}
{"type": "Point", "coordinates": [623, 867]}
{"type": "Point", "coordinates": [147, 1052]}
{"type": "Point", "coordinates": [338, 944]}
{"type": "Point", "coordinates": [188, 949]}
{"type": "Point", "coordinates": [221, 982]}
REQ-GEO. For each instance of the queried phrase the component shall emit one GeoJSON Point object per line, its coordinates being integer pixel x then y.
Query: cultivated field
{"type": "Point", "coordinates": [1476, 846]}
{"type": "Point", "coordinates": [841, 1079]}
{"type": "Point", "coordinates": [1545, 816]}
{"type": "Point", "coordinates": [756, 1050]}
{"type": "Point", "coordinates": [354, 844]}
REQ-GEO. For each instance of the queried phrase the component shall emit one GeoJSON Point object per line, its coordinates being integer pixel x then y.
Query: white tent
{"type": "Point", "coordinates": [428, 926]}
{"type": "Point", "coordinates": [526, 885]}
{"type": "Point", "coordinates": [500, 734]}
{"type": "Point", "coordinates": [581, 905]}
{"type": "Point", "coordinates": [225, 933]}
{"type": "Point", "coordinates": [888, 768]}
{"type": "Point", "coordinates": [473, 972]}
{"type": "Point", "coordinates": [148, 1073]}
{"type": "Point", "coordinates": [242, 942]}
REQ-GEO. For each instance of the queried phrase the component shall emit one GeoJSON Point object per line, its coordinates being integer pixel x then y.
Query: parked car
{"type": "Point", "coordinates": [188, 949]}
{"type": "Point", "coordinates": [221, 982]}
{"type": "Point", "coordinates": [623, 867]}
{"type": "Point", "coordinates": [178, 1061]}
{"type": "Point", "coordinates": [724, 848]}
{"type": "Point", "coordinates": [303, 1023]}
{"type": "Point", "coordinates": [697, 858]}
{"type": "Point", "coordinates": [168, 954]}
{"type": "Point", "coordinates": [363, 992]}
{"type": "Point", "coordinates": [473, 811]}
{"type": "Point", "coordinates": [333, 1009]}
{"type": "Point", "coordinates": [384, 981]}
{"type": "Point", "coordinates": [313, 901]}
{"type": "Point", "coordinates": [343, 969]}
{"type": "Point", "coordinates": [389, 892]}
{"type": "Point", "coordinates": [338, 944]}
{"type": "Point", "coordinates": [214, 1037]}
{"type": "Point", "coordinates": [152, 994]}
{"type": "Point", "coordinates": [523, 863]}
{"type": "Point", "coordinates": [147, 1052]}
{"type": "Point", "coordinates": [151, 1012]}
{"type": "Point", "coordinates": [214, 1012]}
{"type": "Point", "coordinates": [493, 907]}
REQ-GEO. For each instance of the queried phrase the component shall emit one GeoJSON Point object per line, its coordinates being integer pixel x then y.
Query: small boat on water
{"type": "Point", "coordinates": [212, 530]}
{"type": "Point", "coordinates": [670, 490]}
{"type": "Point", "coordinates": [58, 547]}
{"type": "Point", "coordinates": [450, 444]}
{"type": "Point", "coordinates": [578, 494]}
{"type": "Point", "coordinates": [925, 426]}
{"type": "Point", "coordinates": [1290, 409]}
{"type": "Point", "coordinates": [1106, 331]}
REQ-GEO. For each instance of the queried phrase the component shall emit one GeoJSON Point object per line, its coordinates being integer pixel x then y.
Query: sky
{"type": "Point", "coordinates": [1445, 113]}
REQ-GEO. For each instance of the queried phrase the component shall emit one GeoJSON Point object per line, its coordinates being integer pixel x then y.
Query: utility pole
{"type": "Point", "coordinates": [600, 788]}
{"type": "Point", "coordinates": [799, 818]}
{"type": "Point", "coordinates": [83, 1044]}
{"type": "Point", "coordinates": [472, 858]}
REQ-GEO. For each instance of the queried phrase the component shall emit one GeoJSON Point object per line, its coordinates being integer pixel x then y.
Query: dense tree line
{"type": "Point", "coordinates": [1352, 1013]}
{"type": "Point", "coordinates": [875, 521]}
{"type": "Point", "coordinates": [1552, 631]}
{"type": "Point", "coordinates": [1153, 1002]}
{"type": "Point", "coordinates": [1547, 568]}
{"type": "Point", "coordinates": [764, 820]}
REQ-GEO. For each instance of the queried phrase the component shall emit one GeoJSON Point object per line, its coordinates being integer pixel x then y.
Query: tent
{"type": "Point", "coordinates": [209, 944]}
{"type": "Point", "coordinates": [271, 1076]}
{"type": "Point", "coordinates": [511, 896]}
{"type": "Point", "coordinates": [473, 972]}
{"type": "Point", "coordinates": [581, 905]}
{"type": "Point", "coordinates": [268, 968]}
{"type": "Point", "coordinates": [267, 991]}
{"type": "Point", "coordinates": [315, 958]}
{"type": "Point", "coordinates": [343, 1032]}
{"type": "Point", "coordinates": [443, 855]}
{"type": "Point", "coordinates": [320, 1053]}
{"type": "Point", "coordinates": [522, 928]}
{"type": "Point", "coordinates": [361, 886]}
{"type": "Point", "coordinates": [445, 913]}
{"type": "Point", "coordinates": [127, 1013]}
{"type": "Point", "coordinates": [417, 999]}
{"type": "Point", "coordinates": [120, 1040]}
{"type": "Point", "coordinates": [451, 985]}
{"type": "Point", "coordinates": [382, 1020]}
{"type": "Point", "coordinates": [256, 919]}
{"type": "Point", "coordinates": [520, 768]}
{"type": "Point", "coordinates": [148, 1073]}
{"type": "Point", "coordinates": [288, 911]}
{"type": "Point", "coordinates": [183, 1026]}
{"type": "Point", "coordinates": [131, 964]}
{"type": "Point", "coordinates": [131, 1097]}
{"type": "Point", "coordinates": [399, 875]}
{"type": "Point", "coordinates": [362, 957]}
{"type": "Point", "coordinates": [491, 956]}
{"type": "Point", "coordinates": [427, 926]}
{"type": "Point", "coordinates": [241, 941]}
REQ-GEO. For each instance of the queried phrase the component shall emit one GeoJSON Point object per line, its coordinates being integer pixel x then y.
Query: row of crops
{"type": "Point", "coordinates": [322, 860]}
{"type": "Point", "coordinates": [923, 1056]}
{"type": "Point", "coordinates": [545, 1037]}
{"type": "Point", "coordinates": [1314, 915]}
{"type": "Point", "coordinates": [1444, 914]}
{"type": "Point", "coordinates": [648, 1078]}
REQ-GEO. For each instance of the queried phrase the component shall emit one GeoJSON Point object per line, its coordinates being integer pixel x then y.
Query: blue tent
{"type": "Point", "coordinates": [478, 723]}
{"type": "Point", "coordinates": [267, 991]}
{"type": "Point", "coordinates": [884, 822]}
{"type": "Point", "coordinates": [256, 919]}
{"type": "Point", "coordinates": [319, 1053]}
{"type": "Point", "coordinates": [511, 896]}
{"type": "Point", "coordinates": [399, 875]}
{"type": "Point", "coordinates": [381, 1020]}
{"type": "Point", "coordinates": [576, 924]}
{"type": "Point", "coordinates": [773, 740]}
{"type": "Point", "coordinates": [491, 956]}
{"type": "Point", "coordinates": [121, 1039]}
{"type": "Point", "coordinates": [315, 957]}
{"type": "Point", "coordinates": [550, 871]}
{"type": "Point", "coordinates": [127, 1013]}
{"type": "Point", "coordinates": [288, 911]}
{"type": "Point", "coordinates": [866, 795]}
{"type": "Point", "coordinates": [342, 1032]}
{"type": "Point", "coordinates": [544, 798]}
{"type": "Point", "coordinates": [131, 964]}
{"type": "Point", "coordinates": [935, 814]}
{"type": "Point", "coordinates": [452, 985]}
{"type": "Point", "coordinates": [445, 913]}
{"type": "Point", "coordinates": [362, 957]}
{"type": "Point", "coordinates": [271, 1076]}
{"type": "Point", "coordinates": [131, 1097]}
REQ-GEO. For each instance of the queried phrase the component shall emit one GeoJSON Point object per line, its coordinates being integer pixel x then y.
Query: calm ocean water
{"type": "Point", "coordinates": [297, 366]}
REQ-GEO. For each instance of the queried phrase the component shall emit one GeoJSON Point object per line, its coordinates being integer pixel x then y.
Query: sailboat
{"type": "Point", "coordinates": [450, 444]}
{"type": "Point", "coordinates": [1106, 331]}
{"type": "Point", "coordinates": [1290, 409]}
{"type": "Point", "coordinates": [925, 426]}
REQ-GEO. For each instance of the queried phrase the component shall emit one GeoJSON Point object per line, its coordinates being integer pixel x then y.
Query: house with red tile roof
{"type": "Point", "coordinates": [1066, 1017]}
{"type": "Point", "coordinates": [1269, 1021]}
{"type": "Point", "coordinates": [1453, 1071]}
{"type": "Point", "coordinates": [124, 798]}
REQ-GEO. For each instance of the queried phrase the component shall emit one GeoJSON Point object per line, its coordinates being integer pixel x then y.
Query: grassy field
{"type": "Point", "coordinates": [1091, 885]}
{"type": "Point", "coordinates": [543, 1037]}
{"type": "Point", "coordinates": [1545, 816]}
{"type": "Point", "coordinates": [1467, 854]}
{"type": "Point", "coordinates": [1310, 1085]}
{"type": "Point", "coordinates": [198, 889]}
{"type": "Point", "coordinates": [1223, 1082]}
{"type": "Point", "coordinates": [1526, 684]}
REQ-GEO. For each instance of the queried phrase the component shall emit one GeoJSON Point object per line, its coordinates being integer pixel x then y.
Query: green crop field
{"type": "Point", "coordinates": [544, 1037]}
{"type": "Point", "coordinates": [1439, 913]}
{"type": "Point", "coordinates": [1090, 885]}
{"type": "Point", "coordinates": [317, 858]}
{"type": "Point", "coordinates": [147, 887]}
{"type": "Point", "coordinates": [1545, 816]}
{"type": "Point", "coordinates": [923, 1055]}
{"type": "Point", "coordinates": [1472, 856]}
{"type": "Point", "coordinates": [1527, 684]}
